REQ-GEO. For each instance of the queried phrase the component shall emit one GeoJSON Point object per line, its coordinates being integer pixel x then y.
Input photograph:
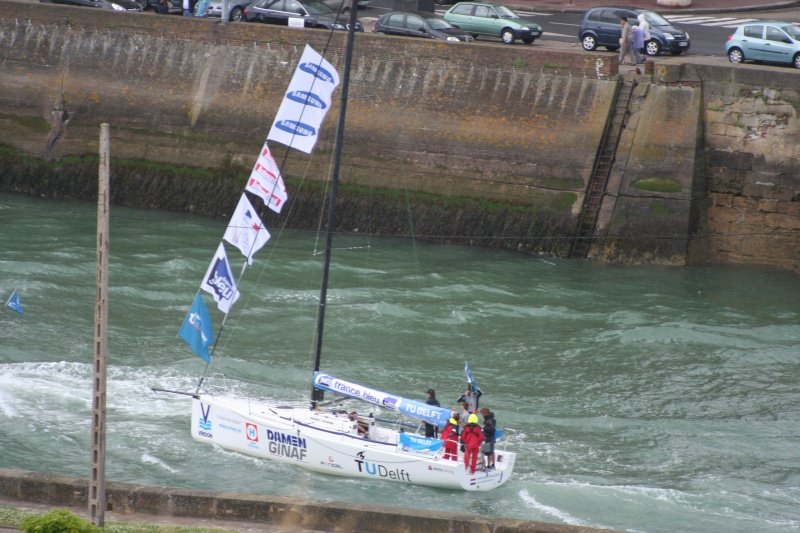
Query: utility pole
{"type": "Point", "coordinates": [97, 479]}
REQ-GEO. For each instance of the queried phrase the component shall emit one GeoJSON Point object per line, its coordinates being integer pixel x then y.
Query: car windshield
{"type": "Point", "coordinates": [317, 7]}
{"type": "Point", "coordinates": [505, 13]}
{"type": "Point", "coordinates": [655, 19]}
{"type": "Point", "coordinates": [438, 24]}
{"type": "Point", "coordinates": [792, 30]}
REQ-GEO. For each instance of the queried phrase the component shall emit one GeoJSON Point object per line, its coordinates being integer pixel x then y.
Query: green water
{"type": "Point", "coordinates": [641, 399]}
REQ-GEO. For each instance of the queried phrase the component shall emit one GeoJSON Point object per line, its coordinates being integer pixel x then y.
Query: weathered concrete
{"type": "Point", "coordinates": [495, 143]}
{"type": "Point", "coordinates": [234, 507]}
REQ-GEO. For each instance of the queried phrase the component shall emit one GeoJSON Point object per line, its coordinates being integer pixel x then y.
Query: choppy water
{"type": "Point", "coordinates": [644, 399]}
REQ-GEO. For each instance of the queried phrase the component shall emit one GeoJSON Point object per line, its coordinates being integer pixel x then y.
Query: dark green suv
{"type": "Point", "coordinates": [494, 20]}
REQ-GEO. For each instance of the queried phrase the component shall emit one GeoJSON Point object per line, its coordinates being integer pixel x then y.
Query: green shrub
{"type": "Point", "coordinates": [58, 521]}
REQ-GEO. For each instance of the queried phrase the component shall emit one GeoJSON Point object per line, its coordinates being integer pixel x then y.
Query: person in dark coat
{"type": "Point", "coordinates": [489, 429]}
{"type": "Point", "coordinates": [431, 431]}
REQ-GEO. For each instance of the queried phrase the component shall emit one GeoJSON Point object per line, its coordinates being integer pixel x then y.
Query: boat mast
{"type": "Point", "coordinates": [316, 394]}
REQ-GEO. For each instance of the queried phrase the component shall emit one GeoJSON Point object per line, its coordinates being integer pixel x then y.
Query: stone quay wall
{"type": "Point", "coordinates": [232, 507]}
{"type": "Point", "coordinates": [495, 143]}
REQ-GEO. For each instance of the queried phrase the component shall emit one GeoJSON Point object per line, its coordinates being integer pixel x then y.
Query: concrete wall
{"type": "Point", "coordinates": [127, 498]}
{"type": "Point", "coordinates": [495, 143]}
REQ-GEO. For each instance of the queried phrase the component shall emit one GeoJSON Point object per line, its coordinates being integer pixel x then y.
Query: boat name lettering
{"type": "Point", "coordinates": [316, 70]}
{"type": "Point", "coordinates": [381, 471]}
{"type": "Point", "coordinates": [283, 438]}
{"type": "Point", "coordinates": [286, 450]}
{"type": "Point", "coordinates": [423, 411]}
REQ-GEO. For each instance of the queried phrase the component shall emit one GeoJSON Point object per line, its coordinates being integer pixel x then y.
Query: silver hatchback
{"type": "Point", "coordinates": [769, 41]}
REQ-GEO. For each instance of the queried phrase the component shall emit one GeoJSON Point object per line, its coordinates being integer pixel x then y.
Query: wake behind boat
{"type": "Point", "coordinates": [320, 438]}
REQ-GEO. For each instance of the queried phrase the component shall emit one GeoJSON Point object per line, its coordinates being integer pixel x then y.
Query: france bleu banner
{"type": "Point", "coordinates": [219, 281]}
{"type": "Point", "coordinates": [14, 303]}
{"type": "Point", "coordinates": [306, 102]}
{"type": "Point", "coordinates": [196, 329]}
{"type": "Point", "coordinates": [245, 230]}
{"type": "Point", "coordinates": [266, 182]}
{"type": "Point", "coordinates": [414, 442]}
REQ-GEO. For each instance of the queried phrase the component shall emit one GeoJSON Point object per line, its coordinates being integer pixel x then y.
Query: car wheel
{"type": "Point", "coordinates": [652, 48]}
{"type": "Point", "coordinates": [796, 61]}
{"type": "Point", "coordinates": [236, 14]}
{"type": "Point", "coordinates": [507, 36]}
{"type": "Point", "coordinates": [528, 40]}
{"type": "Point", "coordinates": [736, 56]}
{"type": "Point", "coordinates": [589, 43]}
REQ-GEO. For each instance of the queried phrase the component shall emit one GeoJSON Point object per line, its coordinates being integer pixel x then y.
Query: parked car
{"type": "Point", "coordinates": [118, 5]}
{"type": "Point", "coordinates": [600, 26]}
{"type": "Point", "coordinates": [316, 13]}
{"type": "Point", "coordinates": [770, 41]}
{"type": "Point", "coordinates": [419, 24]}
{"type": "Point", "coordinates": [485, 18]}
{"type": "Point", "coordinates": [344, 5]}
{"type": "Point", "coordinates": [235, 9]}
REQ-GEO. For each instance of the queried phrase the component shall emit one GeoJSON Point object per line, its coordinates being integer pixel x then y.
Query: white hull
{"type": "Point", "coordinates": [327, 442]}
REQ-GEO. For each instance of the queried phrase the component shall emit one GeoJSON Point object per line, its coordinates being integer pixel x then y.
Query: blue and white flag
{"type": "Point", "coordinates": [219, 281]}
{"type": "Point", "coordinates": [245, 230]}
{"type": "Point", "coordinates": [13, 302]}
{"type": "Point", "coordinates": [470, 379]}
{"type": "Point", "coordinates": [305, 104]}
{"type": "Point", "coordinates": [196, 329]}
{"type": "Point", "coordinates": [414, 442]}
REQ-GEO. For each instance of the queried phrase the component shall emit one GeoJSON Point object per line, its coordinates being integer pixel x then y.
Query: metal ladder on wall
{"type": "Point", "coordinates": [602, 169]}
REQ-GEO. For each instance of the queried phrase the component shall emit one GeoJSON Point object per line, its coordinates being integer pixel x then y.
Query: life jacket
{"type": "Point", "coordinates": [471, 435]}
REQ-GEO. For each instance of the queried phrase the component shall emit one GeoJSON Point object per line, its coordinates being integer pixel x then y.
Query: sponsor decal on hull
{"type": "Point", "coordinates": [205, 423]}
{"type": "Point", "coordinates": [289, 446]}
{"type": "Point", "coordinates": [379, 470]}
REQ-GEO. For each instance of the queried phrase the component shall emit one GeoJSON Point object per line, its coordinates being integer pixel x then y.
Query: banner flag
{"type": "Point", "coordinates": [266, 182]}
{"type": "Point", "coordinates": [306, 102]}
{"type": "Point", "coordinates": [414, 442]}
{"type": "Point", "coordinates": [14, 303]}
{"type": "Point", "coordinates": [437, 416]}
{"type": "Point", "coordinates": [196, 329]}
{"type": "Point", "coordinates": [245, 230]}
{"type": "Point", "coordinates": [219, 281]}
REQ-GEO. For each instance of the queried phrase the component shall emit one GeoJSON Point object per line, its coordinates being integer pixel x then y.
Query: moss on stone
{"type": "Point", "coordinates": [658, 185]}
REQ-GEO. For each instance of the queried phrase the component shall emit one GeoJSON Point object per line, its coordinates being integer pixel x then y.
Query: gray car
{"type": "Point", "coordinates": [235, 9]}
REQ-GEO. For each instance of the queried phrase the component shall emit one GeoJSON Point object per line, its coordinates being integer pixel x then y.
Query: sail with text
{"type": "Point", "coordinates": [219, 281]}
{"type": "Point", "coordinates": [431, 414]}
{"type": "Point", "coordinates": [306, 102]}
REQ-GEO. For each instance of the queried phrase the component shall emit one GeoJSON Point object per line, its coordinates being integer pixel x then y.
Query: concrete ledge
{"type": "Point", "coordinates": [130, 499]}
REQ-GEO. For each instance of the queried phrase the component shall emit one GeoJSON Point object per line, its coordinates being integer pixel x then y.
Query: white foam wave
{"type": "Point", "coordinates": [147, 458]}
{"type": "Point", "coordinates": [549, 510]}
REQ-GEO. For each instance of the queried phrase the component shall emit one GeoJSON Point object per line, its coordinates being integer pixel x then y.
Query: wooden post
{"type": "Point", "coordinates": [97, 481]}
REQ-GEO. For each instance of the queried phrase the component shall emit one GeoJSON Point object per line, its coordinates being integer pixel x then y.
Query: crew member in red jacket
{"type": "Point", "coordinates": [472, 437]}
{"type": "Point", "coordinates": [450, 438]}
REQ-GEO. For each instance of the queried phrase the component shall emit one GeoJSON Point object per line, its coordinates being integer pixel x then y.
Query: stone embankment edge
{"type": "Point", "coordinates": [232, 507]}
{"type": "Point", "coordinates": [682, 11]}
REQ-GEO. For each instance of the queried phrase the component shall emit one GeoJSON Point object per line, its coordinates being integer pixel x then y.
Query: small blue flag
{"type": "Point", "coordinates": [13, 302]}
{"type": "Point", "coordinates": [196, 329]}
{"type": "Point", "coordinates": [470, 379]}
